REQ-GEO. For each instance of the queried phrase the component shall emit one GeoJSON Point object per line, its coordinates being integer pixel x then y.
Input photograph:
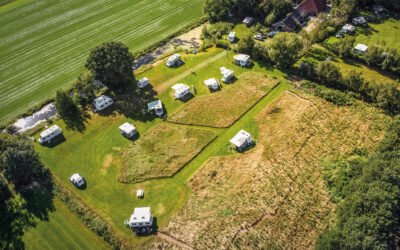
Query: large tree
{"type": "Point", "coordinates": [285, 49]}
{"type": "Point", "coordinates": [65, 106]}
{"type": "Point", "coordinates": [111, 63]}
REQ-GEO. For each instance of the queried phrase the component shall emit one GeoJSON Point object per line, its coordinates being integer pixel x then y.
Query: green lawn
{"type": "Point", "coordinates": [63, 230]}
{"type": "Point", "coordinates": [44, 44]}
{"type": "Point", "coordinates": [385, 33]}
{"type": "Point", "coordinates": [162, 151]}
{"type": "Point", "coordinates": [96, 152]}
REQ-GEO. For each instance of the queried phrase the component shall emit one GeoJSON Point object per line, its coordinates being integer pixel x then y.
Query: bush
{"type": "Point", "coordinates": [333, 96]}
{"type": "Point", "coordinates": [222, 44]}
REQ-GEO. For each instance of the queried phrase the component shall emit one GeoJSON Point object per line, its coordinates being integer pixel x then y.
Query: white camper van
{"type": "Point", "coordinates": [102, 102]}
{"type": "Point", "coordinates": [143, 82]}
{"type": "Point", "coordinates": [141, 220]}
{"type": "Point", "coordinates": [181, 90]}
{"type": "Point", "coordinates": [173, 60]}
{"type": "Point", "coordinates": [50, 133]}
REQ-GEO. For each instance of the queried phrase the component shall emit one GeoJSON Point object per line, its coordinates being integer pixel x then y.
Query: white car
{"type": "Point", "coordinates": [77, 180]}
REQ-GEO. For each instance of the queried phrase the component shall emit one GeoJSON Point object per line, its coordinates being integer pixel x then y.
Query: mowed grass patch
{"type": "Point", "coordinates": [63, 230]}
{"type": "Point", "coordinates": [273, 196]}
{"type": "Point", "coordinates": [44, 44]}
{"type": "Point", "coordinates": [162, 151]}
{"type": "Point", "coordinates": [385, 33]}
{"type": "Point", "coordinates": [224, 107]}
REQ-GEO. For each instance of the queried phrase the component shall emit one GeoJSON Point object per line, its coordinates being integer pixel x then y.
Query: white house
{"type": "Point", "coordinates": [143, 83]}
{"type": "Point", "coordinates": [360, 21]}
{"type": "Point", "coordinates": [102, 102]}
{"type": "Point", "coordinates": [242, 60]}
{"type": "Point", "coordinates": [212, 84]}
{"type": "Point", "coordinates": [141, 220]}
{"type": "Point", "coordinates": [156, 107]}
{"type": "Point", "coordinates": [231, 37]}
{"type": "Point", "coordinates": [127, 129]}
{"type": "Point", "coordinates": [50, 133]}
{"type": "Point", "coordinates": [173, 60]}
{"type": "Point", "coordinates": [360, 48]}
{"type": "Point", "coordinates": [348, 28]}
{"type": "Point", "coordinates": [241, 140]}
{"type": "Point", "coordinates": [77, 180]}
{"type": "Point", "coordinates": [227, 74]}
{"type": "Point", "coordinates": [181, 90]}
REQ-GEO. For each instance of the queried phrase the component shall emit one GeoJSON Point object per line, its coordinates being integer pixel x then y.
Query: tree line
{"type": "Point", "coordinates": [367, 190]}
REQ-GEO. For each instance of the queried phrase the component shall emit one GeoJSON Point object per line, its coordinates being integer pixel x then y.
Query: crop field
{"type": "Point", "coordinates": [222, 108]}
{"type": "Point", "coordinates": [44, 44]}
{"type": "Point", "coordinates": [273, 196]}
{"type": "Point", "coordinates": [63, 230]}
{"type": "Point", "coordinates": [162, 151]}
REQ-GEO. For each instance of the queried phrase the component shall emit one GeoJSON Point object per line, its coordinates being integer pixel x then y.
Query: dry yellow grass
{"type": "Point", "coordinates": [273, 196]}
{"type": "Point", "coordinates": [222, 108]}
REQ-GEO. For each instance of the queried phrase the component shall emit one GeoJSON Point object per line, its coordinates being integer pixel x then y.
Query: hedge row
{"type": "Point", "coordinates": [92, 220]}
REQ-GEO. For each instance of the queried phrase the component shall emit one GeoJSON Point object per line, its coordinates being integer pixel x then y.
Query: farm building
{"type": "Point", "coordinates": [181, 90]}
{"type": "Point", "coordinates": [248, 21]}
{"type": "Point", "coordinates": [231, 37]}
{"type": "Point", "coordinates": [348, 29]}
{"type": "Point", "coordinates": [143, 83]}
{"type": "Point", "coordinates": [141, 220]}
{"type": "Point", "coordinates": [127, 129]}
{"type": "Point", "coordinates": [173, 60]}
{"type": "Point", "coordinates": [242, 60]}
{"type": "Point", "coordinates": [77, 180]}
{"type": "Point", "coordinates": [156, 107]}
{"type": "Point", "coordinates": [102, 102]}
{"type": "Point", "coordinates": [227, 74]}
{"type": "Point", "coordinates": [241, 140]}
{"type": "Point", "coordinates": [212, 84]}
{"type": "Point", "coordinates": [50, 133]}
{"type": "Point", "coordinates": [360, 21]}
{"type": "Point", "coordinates": [360, 48]}
{"type": "Point", "coordinates": [300, 14]}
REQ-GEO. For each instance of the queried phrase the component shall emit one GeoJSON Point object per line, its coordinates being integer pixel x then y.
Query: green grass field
{"type": "Point", "coordinates": [44, 44]}
{"type": "Point", "coordinates": [385, 33]}
{"type": "Point", "coordinates": [63, 230]}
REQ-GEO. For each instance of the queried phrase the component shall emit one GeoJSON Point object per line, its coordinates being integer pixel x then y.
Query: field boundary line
{"type": "Point", "coordinates": [276, 210]}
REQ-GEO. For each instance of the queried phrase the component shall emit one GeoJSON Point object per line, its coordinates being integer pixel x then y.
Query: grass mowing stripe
{"type": "Point", "coordinates": [35, 62]}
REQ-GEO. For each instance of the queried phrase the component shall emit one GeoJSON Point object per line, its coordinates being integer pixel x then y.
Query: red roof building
{"type": "Point", "coordinates": [313, 6]}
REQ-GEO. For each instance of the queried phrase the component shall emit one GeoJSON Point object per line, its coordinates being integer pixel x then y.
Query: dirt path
{"type": "Point", "coordinates": [165, 85]}
{"type": "Point", "coordinates": [171, 239]}
{"type": "Point", "coordinates": [276, 210]}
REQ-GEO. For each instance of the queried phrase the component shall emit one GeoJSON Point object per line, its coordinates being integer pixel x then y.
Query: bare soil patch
{"type": "Point", "coordinates": [108, 160]}
{"type": "Point", "coordinates": [273, 196]}
{"type": "Point", "coordinates": [224, 107]}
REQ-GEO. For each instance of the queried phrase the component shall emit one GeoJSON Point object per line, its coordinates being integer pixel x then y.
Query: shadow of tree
{"type": "Point", "coordinates": [78, 121]}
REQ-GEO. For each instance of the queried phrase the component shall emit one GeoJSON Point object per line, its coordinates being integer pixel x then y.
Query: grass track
{"type": "Point", "coordinates": [64, 230]}
{"type": "Point", "coordinates": [44, 44]}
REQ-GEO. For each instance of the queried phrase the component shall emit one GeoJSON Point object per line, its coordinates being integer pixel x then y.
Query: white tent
{"type": "Point", "coordinates": [360, 48]}
{"type": "Point", "coordinates": [241, 140]}
{"type": "Point", "coordinates": [128, 129]}
{"type": "Point", "coordinates": [143, 83]}
{"type": "Point", "coordinates": [227, 74]}
{"type": "Point", "coordinates": [49, 134]}
{"type": "Point", "coordinates": [181, 90]}
{"type": "Point", "coordinates": [211, 84]}
{"type": "Point", "coordinates": [102, 102]}
{"type": "Point", "coordinates": [141, 217]}
{"type": "Point", "coordinates": [242, 60]}
{"type": "Point", "coordinates": [231, 37]}
{"type": "Point", "coordinates": [173, 60]}
{"type": "Point", "coordinates": [156, 106]}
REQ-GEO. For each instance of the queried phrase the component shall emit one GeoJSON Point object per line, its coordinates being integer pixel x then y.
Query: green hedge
{"type": "Point", "coordinates": [92, 220]}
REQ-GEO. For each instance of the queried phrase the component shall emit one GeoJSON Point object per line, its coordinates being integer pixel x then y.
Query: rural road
{"type": "Point", "coordinates": [162, 87]}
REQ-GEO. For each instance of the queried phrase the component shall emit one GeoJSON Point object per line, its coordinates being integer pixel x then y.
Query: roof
{"type": "Point", "coordinates": [313, 5]}
{"type": "Point", "coordinates": [248, 19]}
{"type": "Point", "coordinates": [349, 27]}
{"type": "Point", "coordinates": [102, 100]}
{"type": "Point", "coordinates": [180, 88]}
{"type": "Point", "coordinates": [361, 47]}
{"type": "Point", "coordinates": [127, 128]}
{"type": "Point", "coordinates": [174, 57]}
{"type": "Point", "coordinates": [212, 82]}
{"type": "Point", "coordinates": [76, 177]}
{"type": "Point", "coordinates": [241, 138]}
{"type": "Point", "coordinates": [226, 71]}
{"type": "Point", "coordinates": [359, 19]}
{"type": "Point", "coordinates": [141, 214]}
{"type": "Point", "coordinates": [154, 105]}
{"type": "Point", "coordinates": [143, 80]}
{"type": "Point", "coordinates": [49, 131]}
{"type": "Point", "coordinates": [232, 33]}
{"type": "Point", "coordinates": [242, 57]}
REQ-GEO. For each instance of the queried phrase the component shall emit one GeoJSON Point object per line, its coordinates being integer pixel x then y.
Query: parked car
{"type": "Point", "coordinates": [271, 34]}
{"type": "Point", "coordinates": [339, 34]}
{"type": "Point", "coordinates": [259, 36]}
{"type": "Point", "coordinates": [77, 180]}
